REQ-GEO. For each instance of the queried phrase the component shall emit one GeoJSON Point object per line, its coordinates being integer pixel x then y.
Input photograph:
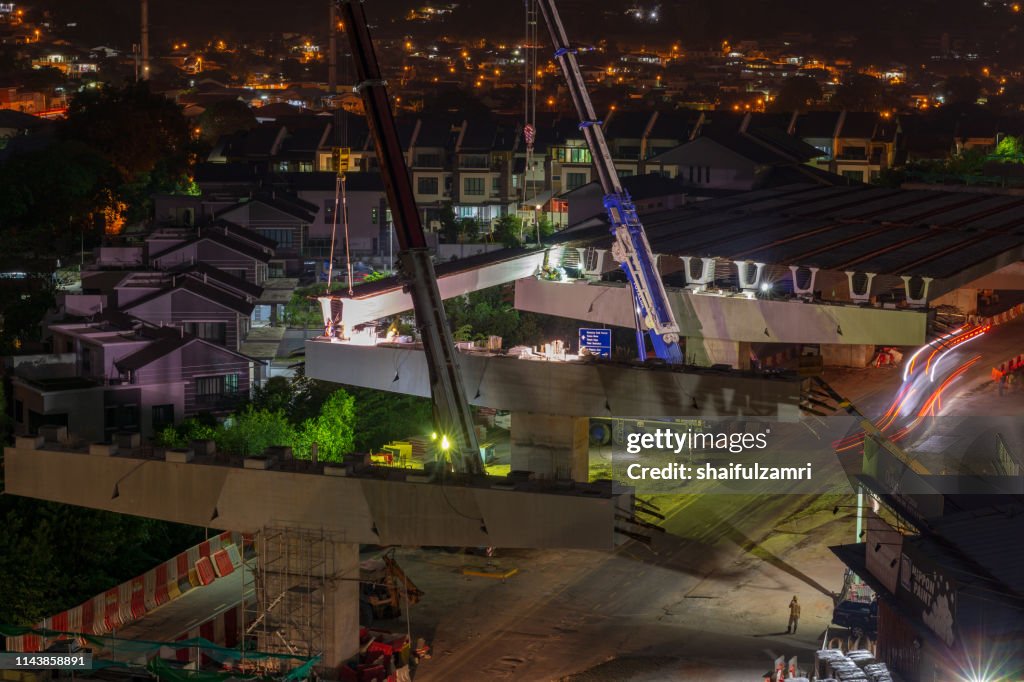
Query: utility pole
{"type": "Point", "coordinates": [145, 40]}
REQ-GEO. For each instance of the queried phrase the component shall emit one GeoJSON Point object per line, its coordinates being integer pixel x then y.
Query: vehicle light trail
{"type": "Point", "coordinates": [909, 368]}
{"type": "Point", "coordinates": [961, 341]}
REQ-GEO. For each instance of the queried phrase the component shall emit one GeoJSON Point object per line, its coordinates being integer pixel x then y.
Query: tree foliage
{"type": "Point", "coordinates": [252, 431]}
{"type": "Point", "coordinates": [140, 133]}
{"type": "Point", "coordinates": [507, 230]}
{"type": "Point", "coordinates": [382, 417]}
{"type": "Point", "coordinates": [332, 430]}
{"type": "Point", "coordinates": [859, 92]}
{"type": "Point", "coordinates": [797, 94]}
{"type": "Point", "coordinates": [50, 198]}
{"type": "Point", "coordinates": [144, 137]}
{"type": "Point", "coordinates": [223, 118]}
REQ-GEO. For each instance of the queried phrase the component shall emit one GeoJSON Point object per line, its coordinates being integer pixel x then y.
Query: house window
{"type": "Point", "coordinates": [130, 416]}
{"type": "Point", "coordinates": [855, 175]}
{"type": "Point", "coordinates": [426, 185]}
{"type": "Point", "coordinates": [209, 387]}
{"type": "Point", "coordinates": [474, 161]}
{"type": "Point", "coordinates": [571, 155]}
{"type": "Point", "coordinates": [19, 412]}
{"type": "Point", "coordinates": [230, 384]}
{"type": "Point", "coordinates": [574, 180]}
{"type": "Point", "coordinates": [163, 415]}
{"type": "Point", "coordinates": [282, 237]}
{"type": "Point", "coordinates": [707, 174]}
{"type": "Point", "coordinates": [428, 160]}
{"type": "Point", "coordinates": [329, 211]}
{"type": "Point", "coordinates": [121, 417]}
{"type": "Point", "coordinates": [474, 186]}
{"type": "Point", "coordinates": [496, 185]}
{"type": "Point", "coordinates": [217, 332]}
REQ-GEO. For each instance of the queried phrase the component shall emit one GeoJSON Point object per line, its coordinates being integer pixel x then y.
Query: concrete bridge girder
{"type": "Point", "coordinates": [704, 315]}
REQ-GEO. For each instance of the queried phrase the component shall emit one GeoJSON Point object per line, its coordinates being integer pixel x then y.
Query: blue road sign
{"type": "Point", "coordinates": [597, 341]}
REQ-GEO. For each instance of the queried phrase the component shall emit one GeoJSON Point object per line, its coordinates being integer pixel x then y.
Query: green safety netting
{"type": "Point", "coordinates": [115, 651]}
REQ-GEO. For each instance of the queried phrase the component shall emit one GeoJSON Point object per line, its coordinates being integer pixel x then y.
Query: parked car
{"type": "Point", "coordinates": [857, 615]}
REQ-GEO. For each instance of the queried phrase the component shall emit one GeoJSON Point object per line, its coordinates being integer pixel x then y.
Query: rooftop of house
{"type": "Point", "coordinates": [224, 239]}
{"type": "Point", "coordinates": [215, 294]}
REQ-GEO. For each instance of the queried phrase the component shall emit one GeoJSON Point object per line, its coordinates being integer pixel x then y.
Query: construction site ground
{"type": "Point", "coordinates": [707, 601]}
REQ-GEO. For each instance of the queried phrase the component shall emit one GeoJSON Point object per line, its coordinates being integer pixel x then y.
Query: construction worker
{"type": "Point", "coordinates": [794, 615]}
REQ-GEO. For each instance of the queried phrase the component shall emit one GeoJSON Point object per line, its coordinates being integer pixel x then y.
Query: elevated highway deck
{"type": "Point", "coordinates": [578, 388]}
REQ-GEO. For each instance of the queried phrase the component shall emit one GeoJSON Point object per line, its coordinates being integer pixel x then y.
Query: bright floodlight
{"type": "Point", "coordinates": [765, 286]}
{"type": "Point", "coordinates": [445, 443]}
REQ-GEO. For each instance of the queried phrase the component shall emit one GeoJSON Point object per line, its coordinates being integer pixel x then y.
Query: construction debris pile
{"type": "Point", "coordinates": [383, 656]}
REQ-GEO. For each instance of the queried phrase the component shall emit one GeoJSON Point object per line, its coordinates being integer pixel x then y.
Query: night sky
{"type": "Point", "coordinates": [883, 27]}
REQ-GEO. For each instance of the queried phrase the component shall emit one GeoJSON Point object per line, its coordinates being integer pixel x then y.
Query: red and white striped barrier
{"type": "Point", "coordinates": [1005, 316]}
{"type": "Point", "coordinates": [133, 599]}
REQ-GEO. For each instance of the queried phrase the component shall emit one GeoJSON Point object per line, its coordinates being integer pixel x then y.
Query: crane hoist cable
{"type": "Point", "coordinates": [334, 228]}
{"type": "Point", "coordinates": [340, 206]}
{"type": "Point", "coordinates": [344, 220]}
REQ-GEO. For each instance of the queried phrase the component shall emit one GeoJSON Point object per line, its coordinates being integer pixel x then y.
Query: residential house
{"type": "Point", "coordinates": [278, 224]}
{"type": "Point", "coordinates": [119, 374]}
{"type": "Point", "coordinates": [430, 145]}
{"type": "Point", "coordinates": [865, 145]}
{"type": "Point", "coordinates": [720, 159]}
{"type": "Point", "coordinates": [366, 212]}
{"type": "Point", "coordinates": [482, 186]}
{"type": "Point", "coordinates": [650, 193]}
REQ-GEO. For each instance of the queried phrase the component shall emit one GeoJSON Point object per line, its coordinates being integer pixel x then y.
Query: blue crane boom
{"type": "Point", "coordinates": [631, 249]}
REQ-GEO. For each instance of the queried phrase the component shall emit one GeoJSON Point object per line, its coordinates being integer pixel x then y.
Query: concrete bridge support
{"type": "Point", "coordinates": [706, 352]}
{"type": "Point", "coordinates": [553, 447]}
{"type": "Point", "coordinates": [341, 640]}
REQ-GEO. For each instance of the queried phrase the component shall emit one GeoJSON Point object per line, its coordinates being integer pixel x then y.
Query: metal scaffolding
{"type": "Point", "coordinates": [293, 571]}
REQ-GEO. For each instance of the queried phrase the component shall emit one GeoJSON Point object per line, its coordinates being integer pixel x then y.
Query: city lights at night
{"type": "Point", "coordinates": [547, 340]}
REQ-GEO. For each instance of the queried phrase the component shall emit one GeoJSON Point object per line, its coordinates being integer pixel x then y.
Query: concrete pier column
{"type": "Point", "coordinates": [747, 281]}
{"type": "Point", "coordinates": [706, 352]}
{"type": "Point", "coordinates": [341, 637]}
{"type": "Point", "coordinates": [847, 355]}
{"type": "Point", "coordinates": [551, 447]}
{"type": "Point", "coordinates": [864, 295]}
{"type": "Point", "coordinates": [807, 290]}
{"type": "Point", "coordinates": [594, 267]}
{"type": "Point", "coordinates": [921, 299]}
